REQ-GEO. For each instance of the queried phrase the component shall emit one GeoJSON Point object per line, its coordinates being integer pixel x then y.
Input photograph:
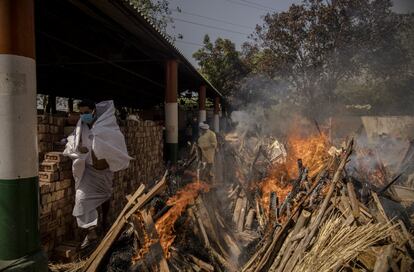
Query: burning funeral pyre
{"type": "Point", "coordinates": [300, 205]}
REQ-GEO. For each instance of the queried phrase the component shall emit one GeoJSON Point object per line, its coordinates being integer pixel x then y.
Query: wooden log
{"type": "Point", "coordinates": [203, 265]}
{"type": "Point", "coordinates": [249, 266]}
{"type": "Point", "coordinates": [234, 248]}
{"type": "Point", "coordinates": [229, 266]}
{"type": "Point", "coordinates": [190, 213]}
{"type": "Point", "coordinates": [302, 222]}
{"type": "Point", "coordinates": [292, 241]}
{"type": "Point", "coordinates": [212, 252]}
{"type": "Point", "coordinates": [295, 250]}
{"type": "Point", "coordinates": [208, 223]}
{"type": "Point", "coordinates": [353, 199]}
{"type": "Point", "coordinates": [259, 213]}
{"type": "Point", "coordinates": [201, 227]}
{"type": "Point", "coordinates": [156, 253]}
{"type": "Point", "coordinates": [237, 208]}
{"type": "Point", "coordinates": [234, 191]}
{"type": "Point", "coordinates": [273, 246]}
{"type": "Point", "coordinates": [383, 261]}
{"type": "Point", "coordinates": [249, 219]}
{"type": "Point", "coordinates": [95, 259]}
{"type": "Point", "coordinates": [406, 234]}
{"type": "Point", "coordinates": [296, 255]}
{"type": "Point", "coordinates": [326, 201]}
{"type": "Point", "coordinates": [242, 215]}
{"type": "Point", "coordinates": [279, 256]}
{"type": "Point", "coordinates": [287, 254]}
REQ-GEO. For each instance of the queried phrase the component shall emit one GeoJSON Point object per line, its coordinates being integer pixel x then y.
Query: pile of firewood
{"type": "Point", "coordinates": [328, 221]}
{"type": "Point", "coordinates": [335, 227]}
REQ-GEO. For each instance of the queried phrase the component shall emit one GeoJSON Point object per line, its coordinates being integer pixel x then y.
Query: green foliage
{"type": "Point", "coordinates": [318, 55]}
{"type": "Point", "coordinates": [157, 11]}
{"type": "Point", "coordinates": [221, 64]}
{"type": "Point", "coordinates": [317, 44]}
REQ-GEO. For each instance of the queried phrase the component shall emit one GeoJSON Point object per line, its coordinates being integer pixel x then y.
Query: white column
{"type": "Point", "coordinates": [18, 117]}
{"type": "Point", "coordinates": [171, 123]}
{"type": "Point", "coordinates": [216, 123]}
{"type": "Point", "coordinates": [202, 116]}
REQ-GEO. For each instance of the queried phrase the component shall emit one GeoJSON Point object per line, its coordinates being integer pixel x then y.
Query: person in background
{"type": "Point", "coordinates": [207, 142]}
{"type": "Point", "coordinates": [98, 149]}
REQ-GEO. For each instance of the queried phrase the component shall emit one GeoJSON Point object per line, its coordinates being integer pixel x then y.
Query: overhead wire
{"type": "Point", "coordinates": [260, 5]}
{"type": "Point", "coordinates": [249, 5]}
{"type": "Point", "coordinates": [210, 26]}
{"type": "Point", "coordinates": [213, 19]}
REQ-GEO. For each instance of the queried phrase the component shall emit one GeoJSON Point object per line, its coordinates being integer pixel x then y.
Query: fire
{"type": "Point", "coordinates": [312, 150]}
{"type": "Point", "coordinates": [179, 202]}
{"type": "Point", "coordinates": [273, 185]}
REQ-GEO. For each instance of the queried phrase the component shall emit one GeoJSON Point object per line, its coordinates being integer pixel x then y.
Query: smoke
{"type": "Point", "coordinates": [378, 160]}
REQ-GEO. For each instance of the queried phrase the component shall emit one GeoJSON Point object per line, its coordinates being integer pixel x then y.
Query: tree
{"type": "Point", "coordinates": [158, 12]}
{"type": "Point", "coordinates": [221, 64]}
{"type": "Point", "coordinates": [318, 43]}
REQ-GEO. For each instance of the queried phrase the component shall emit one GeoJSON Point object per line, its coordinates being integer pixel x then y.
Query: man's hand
{"type": "Point", "coordinates": [101, 164]}
{"type": "Point", "coordinates": [83, 149]}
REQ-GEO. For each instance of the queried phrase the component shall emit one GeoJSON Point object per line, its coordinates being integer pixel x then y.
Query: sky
{"type": "Point", "coordinates": [232, 19]}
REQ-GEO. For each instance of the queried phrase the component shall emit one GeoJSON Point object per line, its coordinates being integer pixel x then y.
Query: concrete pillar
{"type": "Point", "coordinates": [202, 104]}
{"type": "Point", "coordinates": [19, 188]}
{"type": "Point", "coordinates": [171, 110]}
{"type": "Point", "coordinates": [216, 123]}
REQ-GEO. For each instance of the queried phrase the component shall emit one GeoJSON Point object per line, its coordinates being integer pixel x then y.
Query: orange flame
{"type": "Point", "coordinates": [179, 202]}
{"type": "Point", "coordinates": [313, 150]}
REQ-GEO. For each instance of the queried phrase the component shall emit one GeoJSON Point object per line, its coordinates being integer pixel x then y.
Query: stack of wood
{"type": "Point", "coordinates": [134, 207]}
{"type": "Point", "coordinates": [335, 228]}
{"type": "Point", "coordinates": [328, 222]}
{"type": "Point", "coordinates": [56, 198]}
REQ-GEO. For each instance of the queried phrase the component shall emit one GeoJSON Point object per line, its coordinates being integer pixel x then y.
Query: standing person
{"type": "Point", "coordinates": [208, 144]}
{"type": "Point", "coordinates": [97, 148]}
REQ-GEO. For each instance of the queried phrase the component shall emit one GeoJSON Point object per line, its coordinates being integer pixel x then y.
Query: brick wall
{"type": "Point", "coordinates": [57, 225]}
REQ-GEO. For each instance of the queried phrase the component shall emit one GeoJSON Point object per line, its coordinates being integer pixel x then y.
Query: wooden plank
{"type": "Point", "coordinates": [383, 261]}
{"type": "Point", "coordinates": [156, 250]}
{"type": "Point", "coordinates": [203, 265]}
{"type": "Point", "coordinates": [93, 262]}
{"type": "Point", "coordinates": [353, 199]}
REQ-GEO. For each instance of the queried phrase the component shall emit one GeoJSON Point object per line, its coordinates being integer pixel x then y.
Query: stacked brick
{"type": "Point", "coordinates": [57, 192]}
{"type": "Point", "coordinates": [145, 144]}
{"type": "Point", "coordinates": [50, 132]}
{"type": "Point", "coordinates": [57, 197]}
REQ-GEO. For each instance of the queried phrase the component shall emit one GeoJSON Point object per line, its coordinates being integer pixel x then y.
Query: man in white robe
{"type": "Point", "coordinates": [97, 148]}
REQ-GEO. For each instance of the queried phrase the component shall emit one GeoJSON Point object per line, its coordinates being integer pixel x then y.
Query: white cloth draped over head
{"type": "Point", "coordinates": [94, 187]}
{"type": "Point", "coordinates": [107, 141]}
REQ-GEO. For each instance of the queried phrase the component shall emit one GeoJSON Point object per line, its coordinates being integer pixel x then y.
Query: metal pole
{"type": "Point", "coordinates": [171, 110]}
{"type": "Point", "coordinates": [20, 248]}
{"type": "Point", "coordinates": [202, 104]}
{"type": "Point", "coordinates": [217, 114]}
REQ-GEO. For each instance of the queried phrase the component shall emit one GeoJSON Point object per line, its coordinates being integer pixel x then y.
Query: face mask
{"type": "Point", "coordinates": [87, 118]}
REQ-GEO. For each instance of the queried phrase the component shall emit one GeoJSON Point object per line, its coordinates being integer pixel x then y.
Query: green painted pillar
{"type": "Point", "coordinates": [171, 110]}
{"type": "Point", "coordinates": [19, 190]}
